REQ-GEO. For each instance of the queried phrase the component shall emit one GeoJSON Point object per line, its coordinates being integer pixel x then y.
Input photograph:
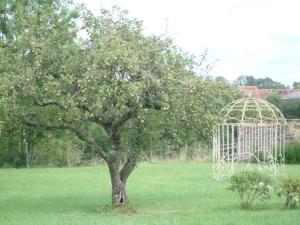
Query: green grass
{"type": "Point", "coordinates": [171, 193]}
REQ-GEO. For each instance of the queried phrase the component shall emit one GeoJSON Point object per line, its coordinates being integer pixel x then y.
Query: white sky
{"type": "Point", "coordinates": [245, 37]}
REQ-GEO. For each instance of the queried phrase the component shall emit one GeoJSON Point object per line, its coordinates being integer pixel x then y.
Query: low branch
{"type": "Point", "coordinates": [95, 118]}
{"type": "Point", "coordinates": [81, 135]}
{"type": "Point", "coordinates": [62, 126]}
{"type": "Point", "coordinates": [47, 103]}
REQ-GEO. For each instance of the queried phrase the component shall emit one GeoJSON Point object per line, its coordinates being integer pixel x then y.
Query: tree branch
{"type": "Point", "coordinates": [47, 103]}
{"type": "Point", "coordinates": [152, 104]}
{"type": "Point", "coordinates": [124, 118]}
{"type": "Point", "coordinates": [85, 108]}
{"type": "Point", "coordinates": [128, 168]}
{"type": "Point", "coordinates": [81, 135]}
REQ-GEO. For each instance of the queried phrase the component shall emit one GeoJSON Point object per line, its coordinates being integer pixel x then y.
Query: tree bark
{"type": "Point", "coordinates": [119, 194]}
{"type": "Point", "coordinates": [119, 177]}
{"type": "Point", "coordinates": [287, 202]}
{"type": "Point", "coordinates": [22, 149]}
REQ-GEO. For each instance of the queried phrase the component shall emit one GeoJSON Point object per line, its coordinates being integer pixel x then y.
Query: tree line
{"type": "Point", "coordinates": [266, 82]}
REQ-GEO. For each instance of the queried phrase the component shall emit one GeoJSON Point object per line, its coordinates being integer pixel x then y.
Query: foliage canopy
{"type": "Point", "coordinates": [112, 88]}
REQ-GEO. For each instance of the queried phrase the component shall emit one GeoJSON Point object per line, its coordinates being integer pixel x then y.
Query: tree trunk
{"type": "Point", "coordinates": [27, 155]}
{"type": "Point", "coordinates": [22, 149]}
{"type": "Point", "coordinates": [287, 202]}
{"type": "Point", "coordinates": [30, 143]}
{"type": "Point", "coordinates": [150, 155]}
{"type": "Point", "coordinates": [119, 177]}
{"type": "Point", "coordinates": [119, 195]}
{"type": "Point", "coordinates": [68, 152]}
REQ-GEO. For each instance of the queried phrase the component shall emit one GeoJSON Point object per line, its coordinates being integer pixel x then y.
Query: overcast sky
{"type": "Point", "coordinates": [245, 37]}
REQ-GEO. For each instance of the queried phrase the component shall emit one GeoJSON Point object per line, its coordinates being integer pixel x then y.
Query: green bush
{"type": "Point", "coordinates": [292, 153]}
{"type": "Point", "coordinates": [290, 189]}
{"type": "Point", "coordinates": [251, 185]}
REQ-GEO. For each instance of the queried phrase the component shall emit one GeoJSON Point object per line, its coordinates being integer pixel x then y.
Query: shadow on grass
{"type": "Point", "coordinates": [70, 205]}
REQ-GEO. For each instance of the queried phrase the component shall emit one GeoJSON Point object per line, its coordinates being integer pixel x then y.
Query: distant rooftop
{"type": "Point", "coordinates": [292, 95]}
{"type": "Point", "coordinates": [253, 91]}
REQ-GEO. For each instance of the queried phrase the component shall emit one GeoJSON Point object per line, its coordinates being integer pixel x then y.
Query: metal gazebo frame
{"type": "Point", "coordinates": [252, 131]}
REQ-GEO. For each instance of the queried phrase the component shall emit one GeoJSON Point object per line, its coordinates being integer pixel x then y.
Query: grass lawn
{"type": "Point", "coordinates": [170, 193]}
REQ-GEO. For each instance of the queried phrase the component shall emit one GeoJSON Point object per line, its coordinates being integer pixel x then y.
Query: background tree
{"type": "Point", "coordinates": [18, 140]}
{"type": "Point", "coordinates": [221, 79]}
{"type": "Point", "coordinates": [289, 107]}
{"type": "Point", "coordinates": [258, 82]}
{"type": "Point", "coordinates": [245, 81]}
{"type": "Point", "coordinates": [296, 85]}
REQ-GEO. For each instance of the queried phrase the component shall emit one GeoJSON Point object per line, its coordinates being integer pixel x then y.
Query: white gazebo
{"type": "Point", "coordinates": [252, 131]}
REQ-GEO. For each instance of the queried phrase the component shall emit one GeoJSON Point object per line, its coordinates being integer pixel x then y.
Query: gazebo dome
{"type": "Point", "coordinates": [252, 110]}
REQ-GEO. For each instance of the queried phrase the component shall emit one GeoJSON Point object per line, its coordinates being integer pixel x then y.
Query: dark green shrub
{"type": "Point", "coordinates": [251, 185]}
{"type": "Point", "coordinates": [292, 153]}
{"type": "Point", "coordinates": [290, 189]}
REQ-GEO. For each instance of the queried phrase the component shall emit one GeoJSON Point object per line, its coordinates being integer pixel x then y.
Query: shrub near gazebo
{"type": "Point", "coordinates": [252, 131]}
